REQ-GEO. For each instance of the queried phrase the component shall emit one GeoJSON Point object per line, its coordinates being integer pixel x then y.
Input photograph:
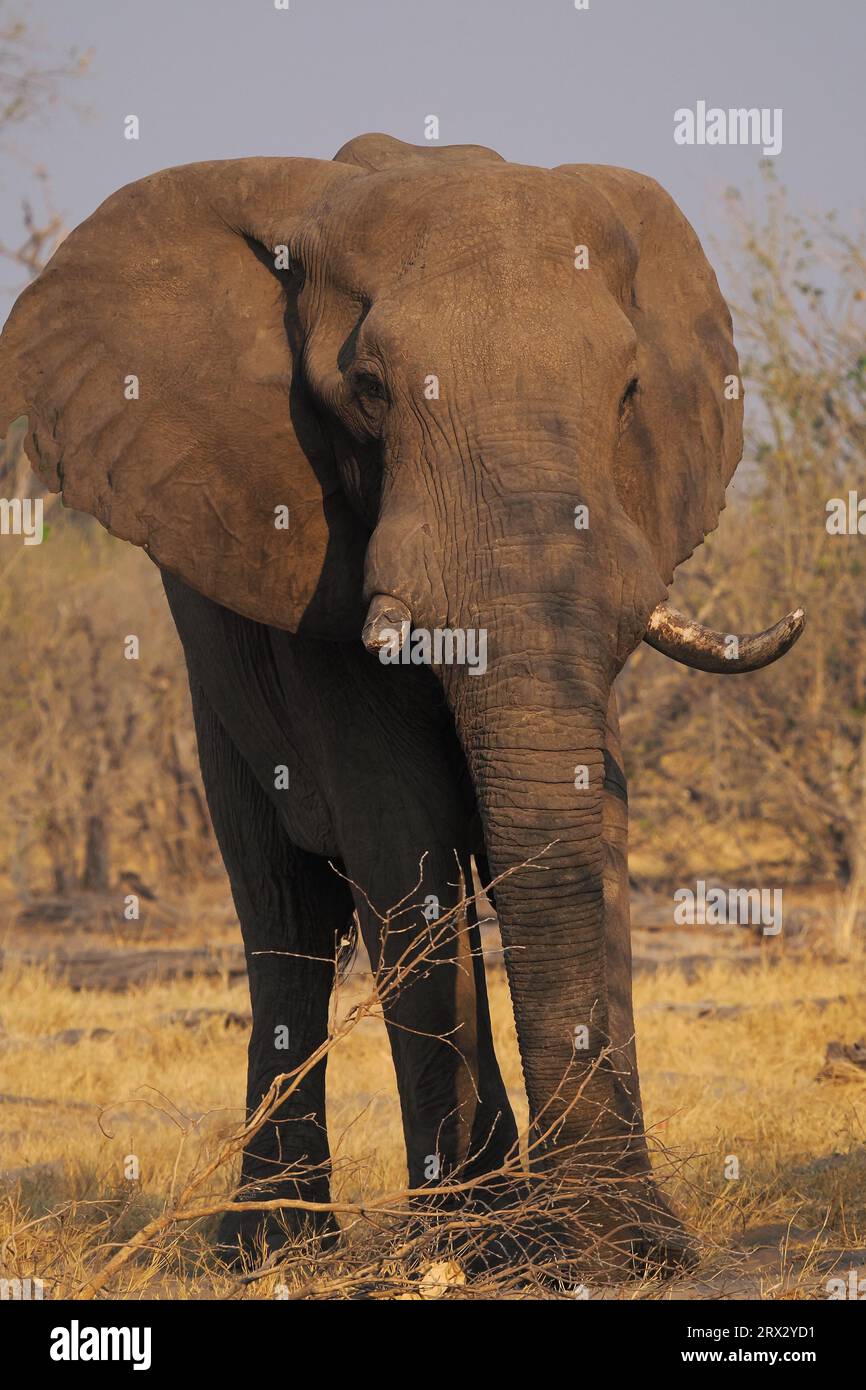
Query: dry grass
{"type": "Point", "coordinates": [714, 1087]}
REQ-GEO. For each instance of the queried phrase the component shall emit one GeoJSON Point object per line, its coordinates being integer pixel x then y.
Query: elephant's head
{"type": "Point", "coordinates": [428, 386]}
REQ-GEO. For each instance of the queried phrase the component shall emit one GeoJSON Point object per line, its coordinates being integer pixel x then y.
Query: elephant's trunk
{"type": "Point", "coordinates": [533, 730]}
{"type": "Point", "coordinates": [532, 725]}
{"type": "Point", "coordinates": [534, 735]}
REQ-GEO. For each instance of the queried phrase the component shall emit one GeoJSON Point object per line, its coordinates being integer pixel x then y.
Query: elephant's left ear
{"type": "Point", "coordinates": [684, 437]}
{"type": "Point", "coordinates": [153, 360]}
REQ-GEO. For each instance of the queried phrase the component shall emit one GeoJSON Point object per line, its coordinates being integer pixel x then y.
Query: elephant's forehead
{"type": "Point", "coordinates": [400, 217]}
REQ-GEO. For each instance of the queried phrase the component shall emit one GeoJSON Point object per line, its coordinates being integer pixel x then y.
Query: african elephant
{"type": "Point", "coordinates": [410, 390]}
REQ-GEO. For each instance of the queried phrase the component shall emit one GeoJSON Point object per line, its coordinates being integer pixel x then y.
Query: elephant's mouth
{"type": "Point", "coordinates": [683, 639]}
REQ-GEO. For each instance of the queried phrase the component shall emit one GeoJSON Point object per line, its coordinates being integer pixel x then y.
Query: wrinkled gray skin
{"type": "Point", "coordinates": [558, 387]}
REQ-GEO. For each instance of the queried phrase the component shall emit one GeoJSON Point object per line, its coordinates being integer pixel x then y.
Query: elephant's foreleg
{"type": "Point", "coordinates": [291, 905]}
{"type": "Point", "coordinates": [457, 1120]}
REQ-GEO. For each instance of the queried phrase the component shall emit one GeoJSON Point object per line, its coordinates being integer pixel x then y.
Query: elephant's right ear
{"type": "Point", "coordinates": [152, 358]}
{"type": "Point", "coordinates": [685, 435]}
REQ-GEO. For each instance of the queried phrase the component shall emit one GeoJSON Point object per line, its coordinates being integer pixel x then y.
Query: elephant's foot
{"type": "Point", "coordinates": [628, 1231]}
{"type": "Point", "coordinates": [474, 1229]}
{"type": "Point", "coordinates": [662, 1254]}
{"type": "Point", "coordinates": [500, 1230]}
{"type": "Point", "coordinates": [561, 1235]}
{"type": "Point", "coordinates": [246, 1239]}
{"type": "Point", "coordinates": [660, 1246]}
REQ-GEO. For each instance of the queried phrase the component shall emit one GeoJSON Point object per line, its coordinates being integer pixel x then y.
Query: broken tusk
{"type": "Point", "coordinates": [684, 640]}
{"type": "Point", "coordinates": [388, 622]}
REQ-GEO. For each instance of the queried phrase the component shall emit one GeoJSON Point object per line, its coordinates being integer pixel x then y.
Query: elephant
{"type": "Point", "coordinates": [411, 390]}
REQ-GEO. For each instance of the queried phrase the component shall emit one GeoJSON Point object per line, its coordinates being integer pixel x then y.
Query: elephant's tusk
{"type": "Point", "coordinates": [388, 621]}
{"type": "Point", "coordinates": [726, 653]}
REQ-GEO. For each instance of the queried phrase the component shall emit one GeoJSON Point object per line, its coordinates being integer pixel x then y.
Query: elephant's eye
{"type": "Point", "coordinates": [367, 387]}
{"type": "Point", "coordinates": [369, 396]}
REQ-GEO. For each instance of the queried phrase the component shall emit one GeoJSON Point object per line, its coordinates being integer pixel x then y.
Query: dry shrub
{"type": "Point", "coordinates": [101, 782]}
{"type": "Point", "coordinates": [765, 775]}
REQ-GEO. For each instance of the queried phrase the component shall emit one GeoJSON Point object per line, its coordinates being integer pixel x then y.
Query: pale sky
{"type": "Point", "coordinates": [538, 80]}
